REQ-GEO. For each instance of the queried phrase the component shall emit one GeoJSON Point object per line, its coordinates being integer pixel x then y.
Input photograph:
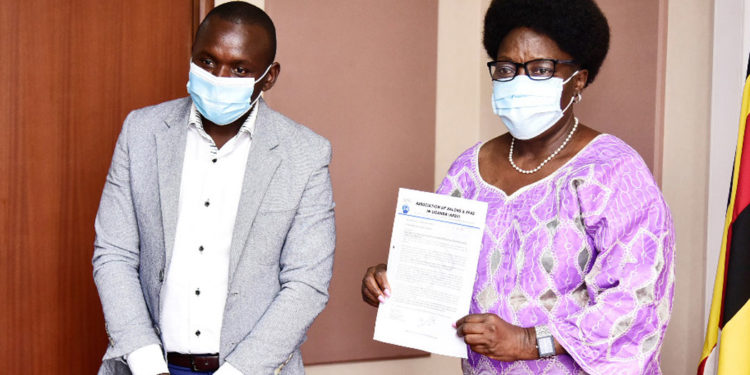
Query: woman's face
{"type": "Point", "coordinates": [524, 44]}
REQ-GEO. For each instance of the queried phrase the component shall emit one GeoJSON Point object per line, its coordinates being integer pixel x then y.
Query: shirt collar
{"type": "Point", "coordinates": [248, 126]}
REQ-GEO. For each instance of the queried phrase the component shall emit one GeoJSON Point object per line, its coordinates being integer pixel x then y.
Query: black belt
{"type": "Point", "coordinates": [195, 362]}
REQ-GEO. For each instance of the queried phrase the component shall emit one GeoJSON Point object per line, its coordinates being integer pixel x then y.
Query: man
{"type": "Point", "coordinates": [215, 231]}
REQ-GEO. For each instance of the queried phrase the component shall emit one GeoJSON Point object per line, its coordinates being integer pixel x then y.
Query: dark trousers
{"type": "Point", "coordinates": [178, 370]}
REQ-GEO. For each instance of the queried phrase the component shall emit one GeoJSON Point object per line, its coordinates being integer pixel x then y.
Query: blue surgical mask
{"type": "Point", "coordinates": [527, 107]}
{"type": "Point", "coordinates": [221, 100]}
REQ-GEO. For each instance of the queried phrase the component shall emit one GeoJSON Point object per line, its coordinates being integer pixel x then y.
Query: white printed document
{"type": "Point", "coordinates": [432, 265]}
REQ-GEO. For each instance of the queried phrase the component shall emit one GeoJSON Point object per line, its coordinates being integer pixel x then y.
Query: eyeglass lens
{"type": "Point", "coordinates": [535, 69]}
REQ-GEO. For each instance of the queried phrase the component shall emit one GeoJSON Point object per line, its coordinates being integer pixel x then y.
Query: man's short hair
{"type": "Point", "coordinates": [240, 12]}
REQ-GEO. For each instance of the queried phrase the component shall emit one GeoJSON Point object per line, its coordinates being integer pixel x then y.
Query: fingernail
{"type": "Point", "coordinates": [387, 292]}
{"type": "Point", "coordinates": [453, 324]}
{"type": "Point", "coordinates": [381, 299]}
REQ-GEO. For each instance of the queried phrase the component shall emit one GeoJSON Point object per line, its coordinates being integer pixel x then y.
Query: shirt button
{"type": "Point", "coordinates": [197, 333]}
{"type": "Point", "coordinates": [213, 160]}
{"type": "Point", "coordinates": [200, 248]}
{"type": "Point", "coordinates": [197, 292]}
{"type": "Point", "coordinates": [207, 203]}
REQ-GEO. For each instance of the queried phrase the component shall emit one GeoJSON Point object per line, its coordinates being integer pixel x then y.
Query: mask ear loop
{"type": "Point", "coordinates": [256, 81]}
{"type": "Point", "coordinates": [572, 100]}
{"type": "Point", "coordinates": [571, 77]}
{"type": "Point", "coordinates": [577, 97]}
{"type": "Point", "coordinates": [264, 73]}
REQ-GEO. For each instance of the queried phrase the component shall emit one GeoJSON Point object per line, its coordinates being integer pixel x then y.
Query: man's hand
{"type": "Point", "coordinates": [375, 287]}
{"type": "Point", "coordinates": [489, 335]}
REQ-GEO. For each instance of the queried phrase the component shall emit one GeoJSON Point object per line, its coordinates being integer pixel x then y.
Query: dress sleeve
{"type": "Point", "coordinates": [459, 181]}
{"type": "Point", "coordinates": [446, 186]}
{"type": "Point", "coordinates": [630, 282]}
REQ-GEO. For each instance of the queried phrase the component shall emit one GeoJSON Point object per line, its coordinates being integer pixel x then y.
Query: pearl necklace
{"type": "Point", "coordinates": [529, 171]}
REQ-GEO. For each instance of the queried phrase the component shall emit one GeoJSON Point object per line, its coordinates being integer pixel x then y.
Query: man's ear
{"type": "Point", "coordinates": [271, 76]}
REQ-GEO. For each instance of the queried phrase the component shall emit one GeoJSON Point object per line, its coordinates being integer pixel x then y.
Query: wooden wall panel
{"type": "Point", "coordinates": [361, 73]}
{"type": "Point", "coordinates": [69, 73]}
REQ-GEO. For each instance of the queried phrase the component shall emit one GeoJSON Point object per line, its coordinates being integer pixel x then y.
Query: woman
{"type": "Point", "coordinates": [576, 266]}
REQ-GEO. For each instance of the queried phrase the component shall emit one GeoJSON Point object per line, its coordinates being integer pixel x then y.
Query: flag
{"type": "Point", "coordinates": [730, 310]}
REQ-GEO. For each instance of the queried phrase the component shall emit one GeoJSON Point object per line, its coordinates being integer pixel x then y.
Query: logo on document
{"type": "Point", "coordinates": [405, 209]}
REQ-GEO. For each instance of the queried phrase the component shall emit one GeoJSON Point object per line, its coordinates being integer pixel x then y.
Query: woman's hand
{"type": "Point", "coordinates": [493, 337]}
{"type": "Point", "coordinates": [375, 287]}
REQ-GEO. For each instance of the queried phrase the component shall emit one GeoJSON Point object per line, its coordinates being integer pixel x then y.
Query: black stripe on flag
{"type": "Point", "coordinates": [738, 270]}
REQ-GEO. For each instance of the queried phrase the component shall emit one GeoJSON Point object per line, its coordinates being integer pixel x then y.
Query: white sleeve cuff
{"type": "Point", "coordinates": [147, 360]}
{"type": "Point", "coordinates": [227, 369]}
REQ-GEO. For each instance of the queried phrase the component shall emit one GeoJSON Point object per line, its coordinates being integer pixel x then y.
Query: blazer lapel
{"type": "Point", "coordinates": [262, 162]}
{"type": "Point", "coordinates": [170, 153]}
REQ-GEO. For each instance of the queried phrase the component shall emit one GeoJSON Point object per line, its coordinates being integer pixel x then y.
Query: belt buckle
{"type": "Point", "coordinates": [192, 364]}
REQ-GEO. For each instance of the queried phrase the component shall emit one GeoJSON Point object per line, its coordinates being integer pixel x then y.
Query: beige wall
{"type": "Point", "coordinates": [460, 114]}
{"type": "Point", "coordinates": [463, 112]}
{"type": "Point", "coordinates": [362, 74]}
{"type": "Point", "coordinates": [685, 178]}
{"type": "Point", "coordinates": [433, 365]}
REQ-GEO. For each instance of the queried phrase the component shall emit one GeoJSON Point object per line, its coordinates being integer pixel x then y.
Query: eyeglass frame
{"type": "Point", "coordinates": [523, 64]}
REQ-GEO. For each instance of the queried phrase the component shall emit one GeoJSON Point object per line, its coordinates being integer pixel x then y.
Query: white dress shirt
{"type": "Point", "coordinates": [195, 288]}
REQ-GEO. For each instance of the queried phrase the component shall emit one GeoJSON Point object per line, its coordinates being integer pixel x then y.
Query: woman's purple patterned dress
{"type": "Point", "coordinates": [588, 250]}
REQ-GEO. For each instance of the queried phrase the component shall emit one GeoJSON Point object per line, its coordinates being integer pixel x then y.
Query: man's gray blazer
{"type": "Point", "coordinates": [281, 255]}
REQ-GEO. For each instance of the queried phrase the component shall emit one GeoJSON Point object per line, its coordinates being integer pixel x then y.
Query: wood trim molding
{"type": "Point", "coordinates": [200, 10]}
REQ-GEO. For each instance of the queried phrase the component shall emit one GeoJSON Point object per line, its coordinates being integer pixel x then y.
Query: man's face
{"type": "Point", "coordinates": [227, 49]}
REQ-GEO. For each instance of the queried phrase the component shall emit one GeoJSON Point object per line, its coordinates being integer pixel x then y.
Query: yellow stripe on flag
{"type": "Point", "coordinates": [733, 351]}
{"type": "Point", "coordinates": [712, 330]}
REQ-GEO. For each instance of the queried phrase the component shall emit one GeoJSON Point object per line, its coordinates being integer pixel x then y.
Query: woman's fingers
{"type": "Point", "coordinates": [372, 280]}
{"type": "Point", "coordinates": [382, 279]}
{"type": "Point", "coordinates": [466, 329]}
{"type": "Point", "coordinates": [476, 339]}
{"type": "Point", "coordinates": [368, 297]}
{"type": "Point", "coordinates": [479, 348]}
{"type": "Point", "coordinates": [375, 287]}
{"type": "Point", "coordinates": [490, 335]}
{"type": "Point", "coordinates": [471, 318]}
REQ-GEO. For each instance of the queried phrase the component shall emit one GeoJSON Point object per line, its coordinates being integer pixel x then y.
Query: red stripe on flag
{"type": "Point", "coordinates": [702, 366]}
{"type": "Point", "coordinates": [742, 197]}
